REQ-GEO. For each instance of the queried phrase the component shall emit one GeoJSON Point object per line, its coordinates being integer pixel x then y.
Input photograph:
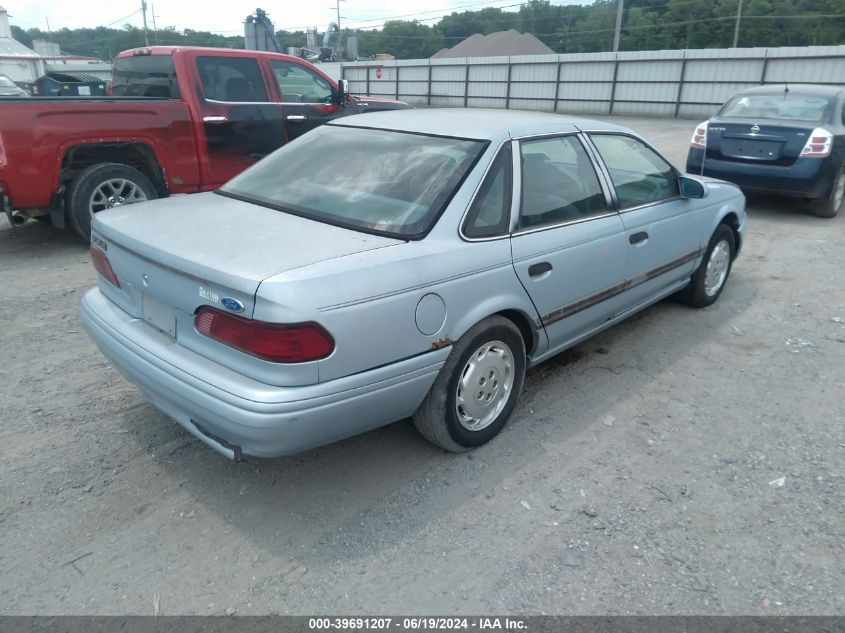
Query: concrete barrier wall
{"type": "Point", "coordinates": [681, 83]}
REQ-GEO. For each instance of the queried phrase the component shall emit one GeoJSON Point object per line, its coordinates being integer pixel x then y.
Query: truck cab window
{"type": "Point", "coordinates": [299, 84]}
{"type": "Point", "coordinates": [145, 76]}
{"type": "Point", "coordinates": [232, 79]}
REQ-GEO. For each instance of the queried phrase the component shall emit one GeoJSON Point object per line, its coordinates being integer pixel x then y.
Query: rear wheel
{"type": "Point", "coordinates": [829, 207]}
{"type": "Point", "coordinates": [710, 278]}
{"type": "Point", "coordinates": [102, 187]}
{"type": "Point", "coordinates": [477, 388]}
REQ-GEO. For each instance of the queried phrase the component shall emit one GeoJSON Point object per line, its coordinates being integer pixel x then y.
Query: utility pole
{"type": "Point", "coordinates": [339, 33]}
{"type": "Point", "coordinates": [618, 31]}
{"type": "Point", "coordinates": [155, 29]}
{"type": "Point", "coordinates": [49, 35]}
{"type": "Point", "coordinates": [738, 19]}
{"type": "Point", "coordinates": [144, 11]}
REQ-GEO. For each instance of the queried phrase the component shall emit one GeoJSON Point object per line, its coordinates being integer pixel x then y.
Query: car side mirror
{"type": "Point", "coordinates": [691, 188]}
{"type": "Point", "coordinates": [342, 91]}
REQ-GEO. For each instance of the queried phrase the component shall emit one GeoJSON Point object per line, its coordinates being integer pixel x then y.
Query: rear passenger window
{"type": "Point", "coordinates": [639, 174]}
{"type": "Point", "coordinates": [559, 183]}
{"type": "Point", "coordinates": [145, 76]}
{"type": "Point", "coordinates": [490, 212]}
{"type": "Point", "coordinates": [233, 79]}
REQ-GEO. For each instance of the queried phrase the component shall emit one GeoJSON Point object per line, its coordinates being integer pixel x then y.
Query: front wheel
{"type": "Point", "coordinates": [477, 389]}
{"type": "Point", "coordinates": [710, 278]}
{"type": "Point", "coordinates": [105, 186]}
{"type": "Point", "coordinates": [830, 206]}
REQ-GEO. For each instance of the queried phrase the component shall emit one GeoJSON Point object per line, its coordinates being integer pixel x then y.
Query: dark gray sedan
{"type": "Point", "coordinates": [783, 139]}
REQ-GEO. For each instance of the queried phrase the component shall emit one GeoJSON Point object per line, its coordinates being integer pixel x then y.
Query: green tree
{"type": "Point", "coordinates": [22, 36]}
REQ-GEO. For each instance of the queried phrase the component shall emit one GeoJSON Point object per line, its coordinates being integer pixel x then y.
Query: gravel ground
{"type": "Point", "coordinates": [682, 462]}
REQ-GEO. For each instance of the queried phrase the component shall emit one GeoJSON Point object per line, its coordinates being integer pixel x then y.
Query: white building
{"type": "Point", "coordinates": [17, 62]}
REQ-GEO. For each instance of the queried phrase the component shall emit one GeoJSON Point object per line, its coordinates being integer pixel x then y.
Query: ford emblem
{"type": "Point", "coordinates": [755, 129]}
{"type": "Point", "coordinates": [232, 304]}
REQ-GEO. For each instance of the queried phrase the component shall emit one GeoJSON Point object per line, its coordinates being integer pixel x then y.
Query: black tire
{"type": "Point", "coordinates": [696, 293]}
{"type": "Point", "coordinates": [833, 204]}
{"type": "Point", "coordinates": [84, 186]}
{"type": "Point", "coordinates": [437, 418]}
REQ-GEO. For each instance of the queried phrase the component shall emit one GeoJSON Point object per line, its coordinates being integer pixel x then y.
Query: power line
{"type": "Point", "coordinates": [125, 17]}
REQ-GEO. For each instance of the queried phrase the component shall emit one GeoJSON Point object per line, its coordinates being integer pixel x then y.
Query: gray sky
{"type": "Point", "coordinates": [227, 17]}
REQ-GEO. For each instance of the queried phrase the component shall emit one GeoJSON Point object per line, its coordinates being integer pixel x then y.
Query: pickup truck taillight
{"type": "Point", "coordinates": [274, 342]}
{"type": "Point", "coordinates": [103, 266]}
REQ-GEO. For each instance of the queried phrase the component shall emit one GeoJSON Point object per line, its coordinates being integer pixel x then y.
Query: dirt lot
{"type": "Point", "coordinates": [682, 462]}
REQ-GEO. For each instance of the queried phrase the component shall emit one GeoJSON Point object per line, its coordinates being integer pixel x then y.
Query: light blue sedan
{"type": "Point", "coordinates": [400, 264]}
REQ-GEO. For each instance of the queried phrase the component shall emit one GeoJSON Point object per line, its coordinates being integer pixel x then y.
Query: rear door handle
{"type": "Point", "coordinates": [215, 119]}
{"type": "Point", "coordinates": [638, 238]}
{"type": "Point", "coordinates": [537, 270]}
{"type": "Point", "coordinates": [296, 117]}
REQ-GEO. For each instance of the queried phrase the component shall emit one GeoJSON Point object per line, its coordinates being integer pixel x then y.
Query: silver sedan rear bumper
{"type": "Point", "coordinates": [237, 415]}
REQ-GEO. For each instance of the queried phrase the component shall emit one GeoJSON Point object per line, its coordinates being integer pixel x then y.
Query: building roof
{"type": "Point", "coordinates": [508, 43]}
{"type": "Point", "coordinates": [10, 47]}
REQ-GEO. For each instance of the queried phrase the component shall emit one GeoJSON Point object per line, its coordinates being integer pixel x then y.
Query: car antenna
{"type": "Point", "coordinates": [785, 89]}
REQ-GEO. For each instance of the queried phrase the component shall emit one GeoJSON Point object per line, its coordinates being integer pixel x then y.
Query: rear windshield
{"type": "Point", "coordinates": [145, 76]}
{"type": "Point", "coordinates": [391, 183]}
{"type": "Point", "coordinates": [5, 82]}
{"type": "Point", "coordinates": [779, 106]}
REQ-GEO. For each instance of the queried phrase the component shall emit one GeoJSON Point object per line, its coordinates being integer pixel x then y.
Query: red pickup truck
{"type": "Point", "coordinates": [181, 120]}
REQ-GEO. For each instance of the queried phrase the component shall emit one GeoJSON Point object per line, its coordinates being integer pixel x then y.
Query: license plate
{"type": "Point", "coordinates": [160, 315]}
{"type": "Point", "coordinates": [742, 148]}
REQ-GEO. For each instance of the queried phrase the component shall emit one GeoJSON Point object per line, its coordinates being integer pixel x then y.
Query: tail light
{"type": "Point", "coordinates": [818, 145]}
{"type": "Point", "coordinates": [275, 342]}
{"type": "Point", "coordinates": [699, 137]}
{"type": "Point", "coordinates": [103, 266]}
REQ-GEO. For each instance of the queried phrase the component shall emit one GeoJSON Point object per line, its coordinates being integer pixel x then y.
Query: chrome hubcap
{"type": "Point", "coordinates": [115, 193]}
{"type": "Point", "coordinates": [484, 386]}
{"type": "Point", "coordinates": [839, 194]}
{"type": "Point", "coordinates": [717, 268]}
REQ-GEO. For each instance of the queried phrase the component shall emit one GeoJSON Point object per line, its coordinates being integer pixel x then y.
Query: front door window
{"type": "Point", "coordinates": [298, 84]}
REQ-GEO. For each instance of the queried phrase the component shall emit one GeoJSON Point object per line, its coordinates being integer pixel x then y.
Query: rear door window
{"type": "Point", "coordinates": [145, 76]}
{"type": "Point", "coordinates": [232, 79]}
{"type": "Point", "coordinates": [559, 183]}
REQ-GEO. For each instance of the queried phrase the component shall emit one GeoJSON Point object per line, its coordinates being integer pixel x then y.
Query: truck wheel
{"type": "Point", "coordinates": [102, 187]}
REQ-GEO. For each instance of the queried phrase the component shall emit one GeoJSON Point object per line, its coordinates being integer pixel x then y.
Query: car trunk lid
{"type": "Point", "coordinates": [201, 249]}
{"type": "Point", "coordinates": [750, 141]}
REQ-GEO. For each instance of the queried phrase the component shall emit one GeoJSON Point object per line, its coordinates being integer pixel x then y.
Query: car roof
{"type": "Point", "coordinates": [795, 89]}
{"type": "Point", "coordinates": [474, 123]}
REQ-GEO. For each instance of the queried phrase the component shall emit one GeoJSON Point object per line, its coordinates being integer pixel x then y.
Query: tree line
{"type": "Point", "coordinates": [647, 25]}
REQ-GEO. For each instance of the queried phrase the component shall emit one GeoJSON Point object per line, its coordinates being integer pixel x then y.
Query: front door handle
{"type": "Point", "coordinates": [638, 238]}
{"type": "Point", "coordinates": [537, 270]}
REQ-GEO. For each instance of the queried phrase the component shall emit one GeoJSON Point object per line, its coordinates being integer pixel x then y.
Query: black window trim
{"type": "Point", "coordinates": [481, 183]}
{"type": "Point", "coordinates": [598, 169]}
{"type": "Point", "coordinates": [588, 137]}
